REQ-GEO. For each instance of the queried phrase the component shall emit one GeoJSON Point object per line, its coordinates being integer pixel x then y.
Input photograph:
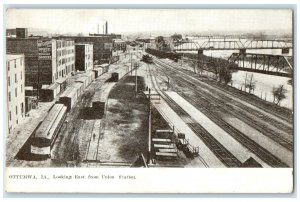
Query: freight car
{"type": "Point", "coordinates": [98, 72]}
{"type": "Point", "coordinates": [44, 137]}
{"type": "Point", "coordinates": [90, 75]}
{"type": "Point", "coordinates": [47, 94]}
{"type": "Point", "coordinates": [69, 97]}
{"type": "Point", "coordinates": [63, 83]}
{"type": "Point", "coordinates": [104, 66]}
{"type": "Point", "coordinates": [147, 59]}
{"type": "Point", "coordinates": [114, 77]}
{"type": "Point", "coordinates": [100, 98]}
{"type": "Point", "coordinates": [80, 88]}
{"type": "Point", "coordinates": [163, 54]}
{"type": "Point", "coordinates": [84, 80]}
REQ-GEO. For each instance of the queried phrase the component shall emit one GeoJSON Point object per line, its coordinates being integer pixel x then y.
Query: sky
{"type": "Point", "coordinates": [152, 20]}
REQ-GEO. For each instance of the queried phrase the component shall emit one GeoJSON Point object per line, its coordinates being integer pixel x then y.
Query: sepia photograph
{"type": "Point", "coordinates": [149, 88]}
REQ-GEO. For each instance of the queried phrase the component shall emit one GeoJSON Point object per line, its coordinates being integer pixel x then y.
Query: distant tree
{"type": "Point", "coordinates": [279, 94]}
{"type": "Point", "coordinates": [176, 37]}
{"type": "Point", "coordinates": [251, 84]}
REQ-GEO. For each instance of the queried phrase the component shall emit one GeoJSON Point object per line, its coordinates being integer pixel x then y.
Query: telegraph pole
{"type": "Point", "coordinates": [149, 129]}
{"type": "Point", "coordinates": [130, 63]}
{"type": "Point", "coordinates": [136, 66]}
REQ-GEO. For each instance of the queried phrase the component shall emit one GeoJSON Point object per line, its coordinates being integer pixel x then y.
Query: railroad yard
{"type": "Point", "coordinates": [194, 121]}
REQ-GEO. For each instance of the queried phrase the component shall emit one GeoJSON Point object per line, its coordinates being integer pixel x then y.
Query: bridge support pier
{"type": "Point", "coordinates": [243, 50]}
{"type": "Point", "coordinates": [200, 53]}
{"type": "Point", "coordinates": [285, 51]}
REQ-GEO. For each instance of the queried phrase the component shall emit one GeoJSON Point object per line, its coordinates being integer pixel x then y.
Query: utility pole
{"type": "Point", "coordinates": [246, 81]}
{"type": "Point", "coordinates": [136, 66]}
{"type": "Point", "coordinates": [149, 129]}
{"type": "Point", "coordinates": [130, 63]}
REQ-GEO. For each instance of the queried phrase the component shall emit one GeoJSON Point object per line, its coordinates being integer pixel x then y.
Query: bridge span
{"type": "Point", "coordinates": [233, 45]}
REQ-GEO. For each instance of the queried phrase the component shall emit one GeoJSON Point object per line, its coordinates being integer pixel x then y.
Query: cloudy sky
{"type": "Point", "coordinates": [146, 21]}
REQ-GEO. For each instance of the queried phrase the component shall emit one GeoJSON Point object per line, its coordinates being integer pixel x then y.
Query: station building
{"type": "Point", "coordinates": [46, 60]}
{"type": "Point", "coordinates": [84, 56]}
{"type": "Point", "coordinates": [15, 68]}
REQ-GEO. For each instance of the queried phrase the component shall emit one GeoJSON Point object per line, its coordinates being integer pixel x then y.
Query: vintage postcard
{"type": "Point", "coordinates": [149, 100]}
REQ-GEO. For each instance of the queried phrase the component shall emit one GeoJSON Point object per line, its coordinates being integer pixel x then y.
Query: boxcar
{"type": "Point", "coordinates": [48, 93]}
{"type": "Point", "coordinates": [98, 72]}
{"type": "Point", "coordinates": [69, 97]}
{"type": "Point", "coordinates": [104, 67]}
{"type": "Point", "coordinates": [84, 80]}
{"type": "Point", "coordinates": [62, 82]}
{"type": "Point", "coordinates": [79, 86]}
{"type": "Point", "coordinates": [114, 77]}
{"type": "Point", "coordinates": [91, 76]}
{"type": "Point", "coordinates": [100, 98]}
{"type": "Point", "coordinates": [44, 137]}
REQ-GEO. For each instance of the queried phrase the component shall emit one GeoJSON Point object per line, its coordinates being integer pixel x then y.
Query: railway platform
{"type": "Point", "coordinates": [238, 150]}
{"type": "Point", "coordinates": [23, 131]}
{"type": "Point", "coordinates": [206, 157]}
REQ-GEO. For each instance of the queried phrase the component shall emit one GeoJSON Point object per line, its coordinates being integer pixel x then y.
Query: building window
{"type": "Point", "coordinates": [22, 107]}
{"type": "Point", "coordinates": [21, 75]}
{"type": "Point", "coordinates": [15, 63]}
{"type": "Point", "coordinates": [16, 110]}
{"type": "Point", "coordinates": [10, 115]}
{"type": "Point", "coordinates": [21, 60]}
{"type": "Point", "coordinates": [16, 80]}
{"type": "Point", "coordinates": [8, 80]}
{"type": "Point", "coordinates": [9, 96]}
{"type": "Point", "coordinates": [8, 66]}
{"type": "Point", "coordinates": [16, 92]}
{"type": "Point", "coordinates": [21, 88]}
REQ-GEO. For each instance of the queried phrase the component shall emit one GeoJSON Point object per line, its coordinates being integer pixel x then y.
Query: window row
{"type": "Point", "coordinates": [16, 93]}
{"type": "Point", "coordinates": [16, 110]}
{"type": "Point", "coordinates": [13, 63]}
{"type": "Point", "coordinates": [16, 78]}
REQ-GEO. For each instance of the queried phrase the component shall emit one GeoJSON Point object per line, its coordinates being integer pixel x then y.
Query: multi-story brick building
{"type": "Point", "coordinates": [102, 46]}
{"type": "Point", "coordinates": [65, 58]}
{"type": "Point", "coordinates": [15, 68]}
{"type": "Point", "coordinates": [119, 44]}
{"type": "Point", "coordinates": [83, 57]}
{"type": "Point", "coordinates": [46, 60]}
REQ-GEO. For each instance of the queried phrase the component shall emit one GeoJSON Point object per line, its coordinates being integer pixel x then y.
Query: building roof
{"type": "Point", "coordinates": [13, 56]}
{"type": "Point", "coordinates": [83, 44]}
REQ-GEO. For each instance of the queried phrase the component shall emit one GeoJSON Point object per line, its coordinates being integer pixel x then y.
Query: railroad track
{"type": "Point", "coordinates": [259, 126]}
{"type": "Point", "coordinates": [287, 127]}
{"type": "Point", "coordinates": [225, 156]}
{"type": "Point", "coordinates": [263, 105]}
{"type": "Point", "coordinates": [283, 118]}
{"type": "Point", "coordinates": [255, 148]}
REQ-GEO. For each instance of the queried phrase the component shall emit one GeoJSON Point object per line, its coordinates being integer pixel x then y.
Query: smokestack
{"type": "Point", "coordinates": [98, 29]}
{"type": "Point", "coordinates": [106, 27]}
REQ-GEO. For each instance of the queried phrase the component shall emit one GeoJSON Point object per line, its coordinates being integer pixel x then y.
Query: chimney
{"type": "Point", "coordinates": [106, 27]}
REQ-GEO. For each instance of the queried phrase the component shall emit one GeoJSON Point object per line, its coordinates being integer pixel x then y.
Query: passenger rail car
{"type": "Point", "coordinates": [44, 137]}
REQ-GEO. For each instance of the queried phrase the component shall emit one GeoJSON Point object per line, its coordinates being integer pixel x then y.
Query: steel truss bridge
{"type": "Point", "coordinates": [232, 45]}
{"type": "Point", "coordinates": [263, 63]}
{"type": "Point", "coordinates": [249, 37]}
